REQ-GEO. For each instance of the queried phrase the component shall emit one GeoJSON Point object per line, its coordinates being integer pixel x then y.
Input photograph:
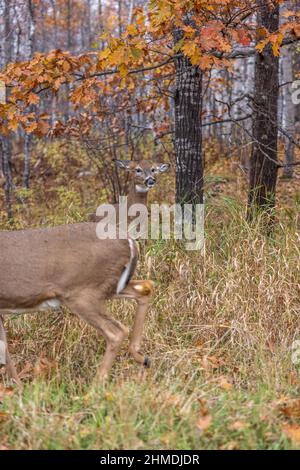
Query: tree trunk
{"type": "Point", "coordinates": [120, 18]}
{"type": "Point", "coordinates": [289, 110]}
{"type": "Point", "coordinates": [188, 132]}
{"type": "Point", "coordinates": [27, 158]}
{"type": "Point", "coordinates": [4, 140]}
{"type": "Point", "coordinates": [69, 13]}
{"type": "Point", "coordinates": [263, 162]}
{"type": "Point", "coordinates": [88, 24]}
{"type": "Point", "coordinates": [6, 170]}
{"type": "Point", "coordinates": [30, 52]}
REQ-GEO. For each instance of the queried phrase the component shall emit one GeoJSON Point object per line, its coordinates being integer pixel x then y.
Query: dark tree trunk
{"type": "Point", "coordinates": [6, 170]}
{"type": "Point", "coordinates": [188, 133]}
{"type": "Point", "coordinates": [69, 14]}
{"type": "Point", "coordinates": [263, 162]}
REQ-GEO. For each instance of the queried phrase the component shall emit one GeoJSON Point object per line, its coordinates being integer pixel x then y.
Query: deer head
{"type": "Point", "coordinates": [143, 172]}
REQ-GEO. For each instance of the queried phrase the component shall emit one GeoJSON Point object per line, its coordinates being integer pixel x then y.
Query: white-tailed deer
{"type": "Point", "coordinates": [143, 175]}
{"type": "Point", "coordinates": [68, 265]}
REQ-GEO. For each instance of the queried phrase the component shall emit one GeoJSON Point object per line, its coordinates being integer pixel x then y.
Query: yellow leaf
{"type": "Point", "coordinates": [123, 70]}
{"type": "Point", "coordinates": [104, 54]}
{"type": "Point", "coordinates": [131, 29]}
{"type": "Point", "coordinates": [261, 45]}
{"type": "Point", "coordinates": [276, 49]}
{"type": "Point", "coordinates": [13, 124]}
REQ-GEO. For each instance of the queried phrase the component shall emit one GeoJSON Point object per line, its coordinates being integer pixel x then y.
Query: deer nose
{"type": "Point", "coordinates": [150, 181]}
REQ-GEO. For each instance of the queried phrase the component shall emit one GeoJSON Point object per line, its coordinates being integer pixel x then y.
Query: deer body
{"type": "Point", "coordinates": [68, 265]}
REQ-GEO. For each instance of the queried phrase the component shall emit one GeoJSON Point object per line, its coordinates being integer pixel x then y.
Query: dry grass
{"type": "Point", "coordinates": [219, 332]}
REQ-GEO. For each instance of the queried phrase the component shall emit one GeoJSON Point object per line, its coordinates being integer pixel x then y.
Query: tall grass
{"type": "Point", "coordinates": [219, 331]}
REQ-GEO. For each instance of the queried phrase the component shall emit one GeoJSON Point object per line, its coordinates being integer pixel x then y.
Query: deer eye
{"type": "Point", "coordinates": [138, 171]}
{"type": "Point", "coordinates": [153, 170]}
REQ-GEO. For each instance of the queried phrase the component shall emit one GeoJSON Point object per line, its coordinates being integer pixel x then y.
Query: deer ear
{"type": "Point", "coordinates": [162, 167]}
{"type": "Point", "coordinates": [124, 164]}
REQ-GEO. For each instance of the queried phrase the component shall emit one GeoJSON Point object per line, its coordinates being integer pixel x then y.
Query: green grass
{"type": "Point", "coordinates": [219, 332]}
{"type": "Point", "coordinates": [141, 413]}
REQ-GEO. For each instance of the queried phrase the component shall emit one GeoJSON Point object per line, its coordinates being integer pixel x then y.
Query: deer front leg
{"type": "Point", "coordinates": [6, 359]}
{"type": "Point", "coordinates": [137, 332]}
{"type": "Point", "coordinates": [94, 312]}
{"type": "Point", "coordinates": [141, 291]}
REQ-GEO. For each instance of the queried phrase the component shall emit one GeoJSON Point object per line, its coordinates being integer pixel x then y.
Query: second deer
{"type": "Point", "coordinates": [143, 176]}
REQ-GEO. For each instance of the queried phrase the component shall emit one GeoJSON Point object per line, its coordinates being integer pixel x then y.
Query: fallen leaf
{"type": "Point", "coordinates": [3, 447]}
{"type": "Point", "coordinates": [231, 445]}
{"type": "Point", "coordinates": [3, 416]}
{"type": "Point", "coordinates": [292, 431]}
{"type": "Point", "coordinates": [204, 423]}
{"type": "Point", "coordinates": [223, 382]}
{"type": "Point", "coordinates": [205, 418]}
{"type": "Point", "coordinates": [238, 426]}
{"type": "Point", "coordinates": [199, 344]}
{"type": "Point", "coordinates": [291, 408]}
{"type": "Point", "coordinates": [5, 391]}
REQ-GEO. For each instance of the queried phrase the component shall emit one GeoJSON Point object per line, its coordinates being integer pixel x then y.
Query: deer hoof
{"type": "Point", "coordinates": [147, 362]}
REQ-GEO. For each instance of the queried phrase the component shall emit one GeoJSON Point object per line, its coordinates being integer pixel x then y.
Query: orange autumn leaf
{"type": "Point", "coordinates": [204, 423]}
{"type": "Point", "coordinates": [31, 128]}
{"type": "Point", "coordinates": [33, 98]}
{"type": "Point", "coordinates": [13, 124]}
{"type": "Point", "coordinates": [292, 431]}
{"type": "Point", "coordinates": [225, 384]}
{"type": "Point", "coordinates": [291, 408]}
{"type": "Point", "coordinates": [5, 391]}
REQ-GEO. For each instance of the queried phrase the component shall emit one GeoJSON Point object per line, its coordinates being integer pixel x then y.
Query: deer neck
{"type": "Point", "coordinates": [137, 194]}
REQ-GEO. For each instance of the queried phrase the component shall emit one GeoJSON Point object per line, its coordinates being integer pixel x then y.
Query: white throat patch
{"type": "Point", "coordinates": [141, 189]}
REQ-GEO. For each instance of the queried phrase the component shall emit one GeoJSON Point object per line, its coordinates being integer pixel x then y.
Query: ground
{"type": "Point", "coordinates": [220, 331]}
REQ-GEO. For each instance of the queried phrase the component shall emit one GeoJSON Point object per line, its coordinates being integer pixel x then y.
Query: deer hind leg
{"type": "Point", "coordinates": [140, 291]}
{"type": "Point", "coordinates": [6, 359]}
{"type": "Point", "coordinates": [95, 313]}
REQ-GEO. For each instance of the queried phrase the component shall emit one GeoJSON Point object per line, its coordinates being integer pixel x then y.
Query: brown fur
{"type": "Point", "coordinates": [70, 264]}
